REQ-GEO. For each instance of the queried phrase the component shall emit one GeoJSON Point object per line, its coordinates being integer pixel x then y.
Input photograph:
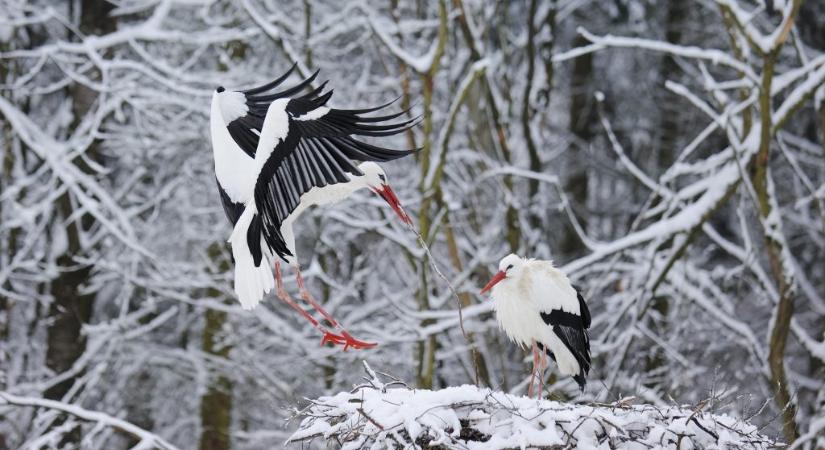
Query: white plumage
{"type": "Point", "coordinates": [232, 171]}
{"type": "Point", "coordinates": [232, 166]}
{"type": "Point", "coordinates": [537, 306]}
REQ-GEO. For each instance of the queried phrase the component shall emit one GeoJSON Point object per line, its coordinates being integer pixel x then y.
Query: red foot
{"type": "Point", "coordinates": [332, 337]}
{"type": "Point", "coordinates": [346, 340]}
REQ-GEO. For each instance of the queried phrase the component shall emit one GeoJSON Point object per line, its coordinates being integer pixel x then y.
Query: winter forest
{"type": "Point", "coordinates": [668, 155]}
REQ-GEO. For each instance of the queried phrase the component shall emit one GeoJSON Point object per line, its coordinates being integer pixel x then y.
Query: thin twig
{"type": "Point", "coordinates": [452, 289]}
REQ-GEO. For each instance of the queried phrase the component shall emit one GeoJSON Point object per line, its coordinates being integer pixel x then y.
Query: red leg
{"type": "Point", "coordinates": [348, 339]}
{"type": "Point", "coordinates": [283, 295]}
{"type": "Point", "coordinates": [533, 371]}
{"type": "Point", "coordinates": [542, 366]}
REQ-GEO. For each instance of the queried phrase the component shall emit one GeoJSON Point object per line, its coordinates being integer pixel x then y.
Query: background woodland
{"type": "Point", "coordinates": [668, 155]}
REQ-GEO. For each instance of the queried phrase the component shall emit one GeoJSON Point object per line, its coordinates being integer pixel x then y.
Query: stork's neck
{"type": "Point", "coordinates": [231, 163]}
{"type": "Point", "coordinates": [329, 194]}
{"type": "Point", "coordinates": [356, 182]}
{"type": "Point", "coordinates": [336, 192]}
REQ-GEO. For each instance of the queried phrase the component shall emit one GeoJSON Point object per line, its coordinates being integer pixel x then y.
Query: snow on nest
{"type": "Point", "coordinates": [378, 415]}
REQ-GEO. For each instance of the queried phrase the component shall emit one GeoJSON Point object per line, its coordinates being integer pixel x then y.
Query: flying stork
{"type": "Point", "coordinates": [536, 305]}
{"type": "Point", "coordinates": [276, 154]}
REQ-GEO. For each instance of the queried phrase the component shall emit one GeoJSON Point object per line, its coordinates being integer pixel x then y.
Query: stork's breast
{"type": "Point", "coordinates": [521, 324]}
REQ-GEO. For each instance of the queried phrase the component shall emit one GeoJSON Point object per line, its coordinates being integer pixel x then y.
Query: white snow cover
{"type": "Point", "coordinates": [380, 415]}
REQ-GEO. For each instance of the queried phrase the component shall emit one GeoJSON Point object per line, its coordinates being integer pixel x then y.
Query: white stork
{"type": "Point", "coordinates": [537, 306]}
{"type": "Point", "coordinates": [276, 154]}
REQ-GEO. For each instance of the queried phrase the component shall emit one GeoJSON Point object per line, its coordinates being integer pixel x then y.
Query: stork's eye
{"type": "Point", "coordinates": [220, 89]}
{"type": "Point", "coordinates": [383, 178]}
{"type": "Point", "coordinates": [509, 267]}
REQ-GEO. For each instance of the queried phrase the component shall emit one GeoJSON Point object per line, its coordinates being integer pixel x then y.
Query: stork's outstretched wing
{"type": "Point", "coordinates": [319, 149]}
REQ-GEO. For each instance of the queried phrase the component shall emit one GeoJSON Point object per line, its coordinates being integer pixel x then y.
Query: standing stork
{"type": "Point", "coordinates": [536, 305]}
{"type": "Point", "coordinates": [276, 154]}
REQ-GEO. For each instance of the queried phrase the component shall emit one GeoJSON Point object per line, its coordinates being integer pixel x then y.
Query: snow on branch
{"type": "Point", "coordinates": [421, 64]}
{"type": "Point", "coordinates": [475, 71]}
{"type": "Point", "coordinates": [744, 21]}
{"type": "Point", "coordinates": [798, 96]}
{"type": "Point", "coordinates": [392, 415]}
{"type": "Point", "coordinates": [147, 439]}
{"type": "Point", "coordinates": [713, 55]}
{"type": "Point", "coordinates": [88, 191]}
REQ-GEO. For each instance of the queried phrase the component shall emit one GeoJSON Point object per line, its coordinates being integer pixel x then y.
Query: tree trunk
{"type": "Point", "coordinates": [671, 104]}
{"type": "Point", "coordinates": [427, 348]}
{"type": "Point", "coordinates": [526, 109]}
{"type": "Point", "coordinates": [216, 404]}
{"type": "Point", "coordinates": [668, 134]}
{"type": "Point", "coordinates": [70, 309]}
{"type": "Point", "coordinates": [778, 339]}
{"type": "Point", "coordinates": [513, 232]}
{"type": "Point", "coordinates": [582, 116]}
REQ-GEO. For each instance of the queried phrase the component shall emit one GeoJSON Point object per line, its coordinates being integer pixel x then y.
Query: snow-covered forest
{"type": "Point", "coordinates": [668, 155]}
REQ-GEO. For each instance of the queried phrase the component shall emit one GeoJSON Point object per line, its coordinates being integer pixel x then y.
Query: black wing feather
{"type": "Point", "coordinates": [232, 210]}
{"type": "Point", "coordinates": [241, 131]}
{"type": "Point", "coordinates": [265, 100]}
{"type": "Point", "coordinates": [571, 330]}
{"type": "Point", "coordinates": [583, 309]}
{"type": "Point", "coordinates": [272, 84]}
{"type": "Point", "coordinates": [245, 130]}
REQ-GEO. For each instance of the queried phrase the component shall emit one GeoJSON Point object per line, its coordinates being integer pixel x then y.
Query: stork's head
{"type": "Point", "coordinates": [376, 179]}
{"type": "Point", "coordinates": [508, 269]}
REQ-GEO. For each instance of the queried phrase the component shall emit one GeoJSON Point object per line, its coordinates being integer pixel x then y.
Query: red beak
{"type": "Point", "coordinates": [493, 281]}
{"type": "Point", "coordinates": [386, 192]}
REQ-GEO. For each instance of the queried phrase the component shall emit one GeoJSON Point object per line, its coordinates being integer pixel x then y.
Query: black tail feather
{"type": "Point", "coordinates": [580, 380]}
{"type": "Point", "coordinates": [253, 239]}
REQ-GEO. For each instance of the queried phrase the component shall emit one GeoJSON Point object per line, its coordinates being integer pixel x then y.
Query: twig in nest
{"type": "Point", "coordinates": [715, 436]}
{"type": "Point", "coordinates": [367, 416]}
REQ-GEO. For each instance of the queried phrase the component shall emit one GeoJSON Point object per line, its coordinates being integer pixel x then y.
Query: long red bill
{"type": "Point", "coordinates": [386, 192]}
{"type": "Point", "coordinates": [493, 281]}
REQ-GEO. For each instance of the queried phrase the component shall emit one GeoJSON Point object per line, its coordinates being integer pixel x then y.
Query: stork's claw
{"type": "Point", "coordinates": [355, 343]}
{"type": "Point", "coordinates": [333, 338]}
{"type": "Point", "coordinates": [347, 340]}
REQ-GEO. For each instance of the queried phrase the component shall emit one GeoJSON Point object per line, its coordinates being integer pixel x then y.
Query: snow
{"type": "Point", "coordinates": [440, 150]}
{"type": "Point", "coordinates": [6, 31]}
{"type": "Point", "coordinates": [378, 414]}
{"type": "Point", "coordinates": [715, 56]}
{"type": "Point", "coordinates": [799, 94]}
{"type": "Point", "coordinates": [744, 20]}
{"type": "Point", "coordinates": [146, 438]}
{"type": "Point", "coordinates": [136, 172]}
{"type": "Point", "coordinates": [420, 64]}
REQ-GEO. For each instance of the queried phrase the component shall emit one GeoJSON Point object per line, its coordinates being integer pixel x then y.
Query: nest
{"type": "Point", "coordinates": [389, 414]}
